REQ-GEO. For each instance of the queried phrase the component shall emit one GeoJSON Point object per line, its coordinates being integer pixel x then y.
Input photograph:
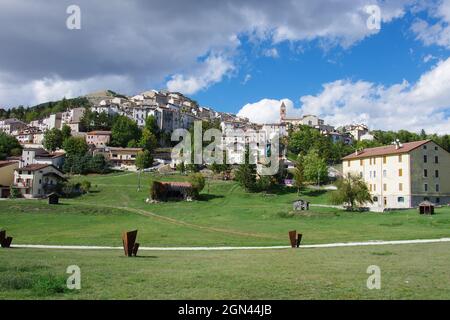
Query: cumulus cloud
{"type": "Point", "coordinates": [147, 41]}
{"type": "Point", "coordinates": [267, 110]}
{"type": "Point", "coordinates": [423, 105]}
{"type": "Point", "coordinates": [211, 71]}
{"type": "Point", "coordinates": [437, 33]}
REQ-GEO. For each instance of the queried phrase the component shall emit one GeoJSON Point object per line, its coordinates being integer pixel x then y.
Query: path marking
{"type": "Point", "coordinates": [307, 246]}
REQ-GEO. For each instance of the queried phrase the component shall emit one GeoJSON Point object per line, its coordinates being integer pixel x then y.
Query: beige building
{"type": "Point", "coordinates": [99, 139]}
{"type": "Point", "coordinates": [7, 177]}
{"type": "Point", "coordinates": [37, 180]}
{"type": "Point", "coordinates": [403, 175]}
{"type": "Point", "coordinates": [122, 157]}
{"type": "Point", "coordinates": [306, 120]}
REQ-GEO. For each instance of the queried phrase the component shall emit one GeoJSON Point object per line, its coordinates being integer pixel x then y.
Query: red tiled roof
{"type": "Point", "coordinates": [100, 133]}
{"type": "Point", "coordinates": [7, 163]}
{"type": "Point", "coordinates": [34, 167]}
{"type": "Point", "coordinates": [178, 184]}
{"type": "Point", "coordinates": [386, 150]}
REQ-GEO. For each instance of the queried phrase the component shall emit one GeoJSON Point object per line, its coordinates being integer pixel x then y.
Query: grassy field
{"type": "Point", "coordinates": [407, 272]}
{"type": "Point", "coordinates": [226, 215]}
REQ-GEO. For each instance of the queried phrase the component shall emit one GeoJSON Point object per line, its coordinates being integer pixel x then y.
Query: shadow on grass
{"type": "Point", "coordinates": [208, 197]}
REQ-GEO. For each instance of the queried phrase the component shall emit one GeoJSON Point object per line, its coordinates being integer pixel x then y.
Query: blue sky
{"type": "Point", "coordinates": [245, 57]}
{"type": "Point", "coordinates": [386, 58]}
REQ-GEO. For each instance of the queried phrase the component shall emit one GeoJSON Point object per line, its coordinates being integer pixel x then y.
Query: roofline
{"type": "Point", "coordinates": [352, 156]}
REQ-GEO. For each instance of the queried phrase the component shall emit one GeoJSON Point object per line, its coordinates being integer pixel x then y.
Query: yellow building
{"type": "Point", "coordinates": [403, 175]}
{"type": "Point", "coordinates": [7, 176]}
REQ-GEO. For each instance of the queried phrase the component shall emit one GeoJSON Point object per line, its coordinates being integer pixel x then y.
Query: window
{"type": "Point", "coordinates": [374, 187]}
{"type": "Point", "coordinates": [374, 174]}
{"type": "Point", "coordinates": [384, 159]}
{"type": "Point", "coordinates": [384, 187]}
{"type": "Point", "coordinates": [400, 172]}
{"type": "Point", "coordinates": [370, 161]}
{"type": "Point", "coordinates": [436, 159]}
{"type": "Point", "coordinates": [399, 158]}
{"type": "Point", "coordinates": [424, 147]}
{"type": "Point", "coordinates": [401, 199]}
{"type": "Point", "coordinates": [438, 200]}
{"type": "Point", "coordinates": [384, 173]}
{"type": "Point", "coordinates": [400, 186]}
{"type": "Point", "coordinates": [370, 187]}
{"type": "Point", "coordinates": [425, 158]}
{"type": "Point", "coordinates": [374, 160]}
{"type": "Point", "coordinates": [437, 188]}
{"type": "Point", "coordinates": [425, 187]}
{"type": "Point", "coordinates": [375, 199]}
{"type": "Point", "coordinates": [436, 148]}
{"type": "Point", "coordinates": [436, 173]}
{"type": "Point", "coordinates": [361, 174]}
{"type": "Point", "coordinates": [425, 173]}
{"type": "Point", "coordinates": [361, 162]}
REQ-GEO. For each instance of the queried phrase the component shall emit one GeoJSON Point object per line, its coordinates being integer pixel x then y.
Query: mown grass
{"type": "Point", "coordinates": [226, 215]}
{"type": "Point", "coordinates": [417, 271]}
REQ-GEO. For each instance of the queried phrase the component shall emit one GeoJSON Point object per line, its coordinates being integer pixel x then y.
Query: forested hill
{"type": "Point", "coordinates": [43, 110]}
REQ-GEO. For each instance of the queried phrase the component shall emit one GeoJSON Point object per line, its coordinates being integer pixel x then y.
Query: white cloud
{"type": "Point", "coordinates": [247, 78]}
{"type": "Point", "coordinates": [51, 89]}
{"type": "Point", "coordinates": [271, 53]}
{"type": "Point", "coordinates": [267, 110]}
{"type": "Point", "coordinates": [211, 71]}
{"type": "Point", "coordinates": [437, 33]}
{"type": "Point", "coordinates": [428, 58]}
{"type": "Point", "coordinates": [423, 105]}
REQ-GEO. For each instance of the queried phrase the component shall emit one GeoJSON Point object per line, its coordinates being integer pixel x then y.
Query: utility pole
{"type": "Point", "coordinates": [139, 180]}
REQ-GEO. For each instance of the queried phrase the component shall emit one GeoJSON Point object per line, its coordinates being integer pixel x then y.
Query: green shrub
{"type": "Point", "coordinates": [198, 183]}
{"type": "Point", "coordinates": [48, 285]}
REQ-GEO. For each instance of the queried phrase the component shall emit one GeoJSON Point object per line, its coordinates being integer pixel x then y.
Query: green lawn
{"type": "Point", "coordinates": [226, 215]}
{"type": "Point", "coordinates": [407, 272]}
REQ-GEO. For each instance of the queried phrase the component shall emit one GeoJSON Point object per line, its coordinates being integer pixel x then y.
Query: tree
{"type": "Point", "coordinates": [9, 146]}
{"type": "Point", "coordinates": [66, 132]}
{"type": "Point", "coordinates": [75, 146]}
{"type": "Point", "coordinates": [198, 183]}
{"type": "Point", "coordinates": [315, 167]}
{"type": "Point", "coordinates": [246, 174]}
{"type": "Point", "coordinates": [53, 139]}
{"type": "Point", "coordinates": [99, 164]}
{"type": "Point", "coordinates": [123, 131]}
{"type": "Point", "coordinates": [148, 140]}
{"type": "Point", "coordinates": [299, 178]}
{"type": "Point", "coordinates": [351, 191]}
{"type": "Point", "coordinates": [144, 160]}
{"type": "Point", "coordinates": [152, 125]}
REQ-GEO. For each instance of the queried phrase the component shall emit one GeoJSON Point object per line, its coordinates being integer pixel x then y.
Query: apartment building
{"type": "Point", "coordinates": [403, 175]}
{"type": "Point", "coordinates": [99, 139]}
{"type": "Point", "coordinates": [37, 180]}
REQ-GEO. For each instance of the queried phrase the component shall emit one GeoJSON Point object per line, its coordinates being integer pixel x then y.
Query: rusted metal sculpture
{"type": "Point", "coordinates": [295, 238]}
{"type": "Point", "coordinates": [130, 246]}
{"type": "Point", "coordinates": [5, 241]}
